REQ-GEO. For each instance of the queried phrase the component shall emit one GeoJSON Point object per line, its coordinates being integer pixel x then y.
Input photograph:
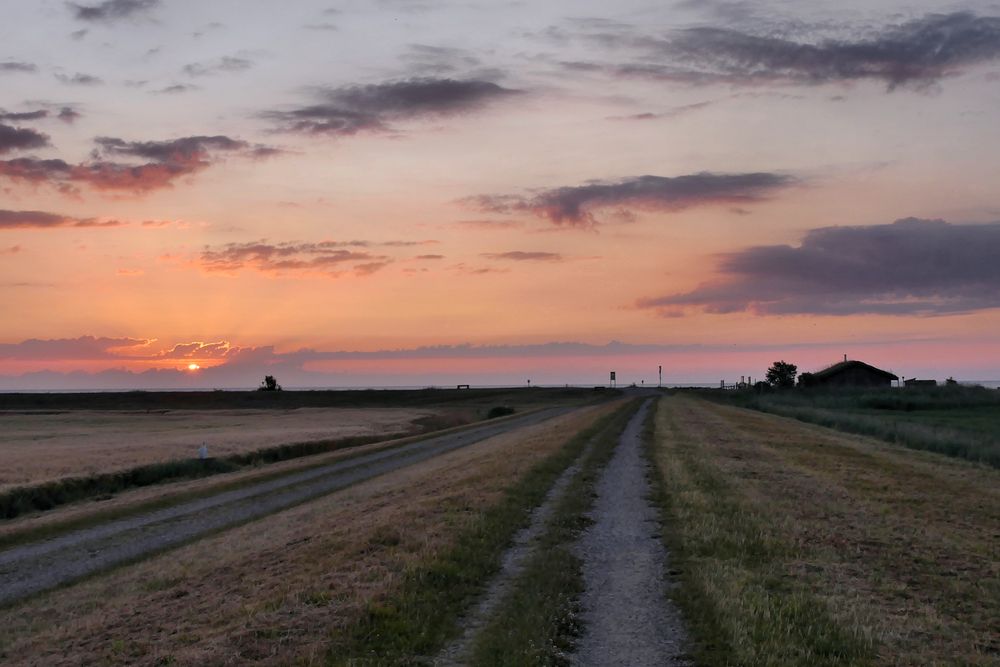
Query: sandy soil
{"type": "Point", "coordinates": [38, 447]}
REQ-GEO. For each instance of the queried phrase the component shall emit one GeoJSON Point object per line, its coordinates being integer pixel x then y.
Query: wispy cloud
{"type": "Point", "coordinates": [915, 53]}
{"type": "Point", "coordinates": [374, 108]}
{"type": "Point", "coordinates": [525, 256]}
{"type": "Point", "coordinates": [578, 205]}
{"type": "Point", "coordinates": [43, 220]}
{"type": "Point", "coordinates": [324, 257]}
{"type": "Point", "coordinates": [910, 267]}
{"type": "Point", "coordinates": [83, 347]}
{"type": "Point", "coordinates": [225, 65]}
{"type": "Point", "coordinates": [14, 66]}
{"type": "Point", "coordinates": [80, 79]}
{"type": "Point", "coordinates": [161, 163]}
{"type": "Point", "coordinates": [112, 10]}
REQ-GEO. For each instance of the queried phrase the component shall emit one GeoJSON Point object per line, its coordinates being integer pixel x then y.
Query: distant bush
{"type": "Point", "coordinates": [499, 411]}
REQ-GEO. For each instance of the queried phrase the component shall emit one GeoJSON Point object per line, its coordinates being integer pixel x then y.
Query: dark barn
{"type": "Point", "coordinates": [850, 374]}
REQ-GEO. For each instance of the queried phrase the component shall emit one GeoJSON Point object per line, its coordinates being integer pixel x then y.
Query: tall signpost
{"type": "Point", "coordinates": [613, 385]}
{"type": "Point", "coordinates": [661, 377]}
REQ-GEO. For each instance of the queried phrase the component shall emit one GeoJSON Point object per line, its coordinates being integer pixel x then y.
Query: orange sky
{"type": "Point", "coordinates": [288, 179]}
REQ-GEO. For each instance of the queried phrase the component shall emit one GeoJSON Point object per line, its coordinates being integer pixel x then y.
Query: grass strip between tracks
{"type": "Point", "coordinates": [537, 623]}
{"type": "Point", "coordinates": [730, 560]}
{"type": "Point", "coordinates": [423, 615]}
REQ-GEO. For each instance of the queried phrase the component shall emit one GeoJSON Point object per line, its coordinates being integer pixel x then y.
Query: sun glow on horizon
{"type": "Point", "coordinates": [193, 367]}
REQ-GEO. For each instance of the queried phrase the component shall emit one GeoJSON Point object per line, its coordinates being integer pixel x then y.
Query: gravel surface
{"type": "Point", "coordinates": [35, 567]}
{"type": "Point", "coordinates": [513, 561]}
{"type": "Point", "coordinates": [626, 616]}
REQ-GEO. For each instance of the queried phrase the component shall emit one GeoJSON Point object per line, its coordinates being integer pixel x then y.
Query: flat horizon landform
{"type": "Point", "coordinates": [494, 333]}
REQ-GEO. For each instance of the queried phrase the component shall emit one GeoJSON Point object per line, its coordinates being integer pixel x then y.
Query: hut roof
{"type": "Point", "coordinates": [842, 366]}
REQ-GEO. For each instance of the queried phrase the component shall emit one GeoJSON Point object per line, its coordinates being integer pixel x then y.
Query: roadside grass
{"type": "Point", "coordinates": [963, 422]}
{"type": "Point", "coordinates": [422, 616]}
{"type": "Point", "coordinates": [796, 545]}
{"type": "Point", "coordinates": [35, 527]}
{"type": "Point", "coordinates": [536, 623]}
{"type": "Point", "coordinates": [279, 590]}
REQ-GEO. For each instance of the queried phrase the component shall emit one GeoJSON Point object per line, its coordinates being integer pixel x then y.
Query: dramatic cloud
{"type": "Point", "coordinates": [84, 347]}
{"type": "Point", "coordinates": [576, 205]}
{"type": "Point", "coordinates": [15, 138]}
{"type": "Point", "coordinates": [916, 53]}
{"type": "Point", "coordinates": [910, 267]}
{"type": "Point", "coordinates": [522, 256]}
{"type": "Point", "coordinates": [43, 220]}
{"type": "Point", "coordinates": [165, 162]}
{"type": "Point", "coordinates": [112, 10]}
{"type": "Point", "coordinates": [372, 108]}
{"type": "Point", "coordinates": [220, 66]}
{"type": "Point", "coordinates": [327, 257]}
{"type": "Point", "coordinates": [14, 66]}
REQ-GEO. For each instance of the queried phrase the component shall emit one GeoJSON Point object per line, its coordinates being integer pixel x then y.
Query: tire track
{"type": "Point", "coordinates": [35, 567]}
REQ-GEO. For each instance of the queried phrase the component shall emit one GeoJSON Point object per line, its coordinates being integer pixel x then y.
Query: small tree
{"type": "Point", "coordinates": [269, 384]}
{"type": "Point", "coordinates": [781, 374]}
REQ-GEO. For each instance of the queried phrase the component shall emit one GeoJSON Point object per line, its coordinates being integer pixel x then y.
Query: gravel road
{"type": "Point", "coordinates": [39, 566]}
{"type": "Point", "coordinates": [626, 616]}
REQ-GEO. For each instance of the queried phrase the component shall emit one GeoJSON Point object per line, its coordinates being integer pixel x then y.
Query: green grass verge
{"type": "Point", "coordinates": [740, 606]}
{"type": "Point", "coordinates": [962, 422]}
{"type": "Point", "coordinates": [422, 615]}
{"type": "Point", "coordinates": [537, 623]}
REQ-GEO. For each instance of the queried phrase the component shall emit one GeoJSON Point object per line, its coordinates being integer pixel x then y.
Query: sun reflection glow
{"type": "Point", "coordinates": [193, 367]}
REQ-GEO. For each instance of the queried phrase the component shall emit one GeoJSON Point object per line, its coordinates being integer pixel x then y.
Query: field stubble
{"type": "Point", "coordinates": [801, 545]}
{"type": "Point", "coordinates": [281, 589]}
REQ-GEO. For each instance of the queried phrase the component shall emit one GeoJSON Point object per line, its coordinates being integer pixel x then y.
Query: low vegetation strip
{"type": "Point", "coordinates": [958, 421]}
{"type": "Point", "coordinates": [538, 622]}
{"type": "Point", "coordinates": [802, 546]}
{"type": "Point", "coordinates": [30, 568]}
{"type": "Point", "coordinates": [422, 615]}
{"type": "Point", "coordinates": [41, 497]}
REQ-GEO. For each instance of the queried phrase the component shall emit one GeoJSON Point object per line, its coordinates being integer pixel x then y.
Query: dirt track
{"type": "Point", "coordinates": [36, 567]}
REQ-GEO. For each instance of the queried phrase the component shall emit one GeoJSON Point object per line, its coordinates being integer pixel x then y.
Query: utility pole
{"type": "Point", "coordinates": [661, 377]}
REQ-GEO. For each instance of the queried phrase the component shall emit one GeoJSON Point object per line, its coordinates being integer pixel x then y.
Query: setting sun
{"type": "Point", "coordinates": [193, 367]}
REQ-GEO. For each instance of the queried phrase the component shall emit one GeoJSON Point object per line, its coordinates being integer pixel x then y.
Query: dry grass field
{"type": "Point", "coordinates": [37, 447]}
{"type": "Point", "coordinates": [280, 590]}
{"type": "Point", "coordinates": [799, 545]}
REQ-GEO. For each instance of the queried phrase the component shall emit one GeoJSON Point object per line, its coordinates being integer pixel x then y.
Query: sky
{"type": "Point", "coordinates": [411, 193]}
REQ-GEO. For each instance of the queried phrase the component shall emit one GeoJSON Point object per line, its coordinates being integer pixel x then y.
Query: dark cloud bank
{"type": "Point", "coordinates": [910, 267]}
{"type": "Point", "coordinates": [373, 108]}
{"type": "Point", "coordinates": [577, 205]}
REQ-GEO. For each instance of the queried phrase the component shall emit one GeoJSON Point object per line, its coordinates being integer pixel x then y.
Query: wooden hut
{"type": "Point", "coordinates": [849, 374]}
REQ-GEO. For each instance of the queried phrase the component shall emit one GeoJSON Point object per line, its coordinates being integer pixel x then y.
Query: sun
{"type": "Point", "coordinates": [193, 367]}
